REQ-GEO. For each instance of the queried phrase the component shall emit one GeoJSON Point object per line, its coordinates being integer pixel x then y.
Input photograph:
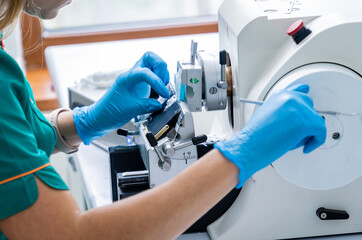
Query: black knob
{"type": "Point", "coordinates": [223, 57]}
{"type": "Point", "coordinates": [122, 132]}
{"type": "Point", "coordinates": [151, 139]}
{"type": "Point", "coordinates": [331, 214]}
{"type": "Point", "coordinates": [199, 139]}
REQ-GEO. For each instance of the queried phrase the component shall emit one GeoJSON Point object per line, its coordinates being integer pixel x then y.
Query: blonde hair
{"type": "Point", "coordinates": [9, 12]}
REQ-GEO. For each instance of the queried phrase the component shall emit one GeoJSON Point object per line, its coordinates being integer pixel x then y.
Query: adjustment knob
{"type": "Point", "coordinates": [168, 149]}
{"type": "Point", "coordinates": [199, 139]}
{"type": "Point", "coordinates": [222, 57]}
{"type": "Point", "coordinates": [151, 139]}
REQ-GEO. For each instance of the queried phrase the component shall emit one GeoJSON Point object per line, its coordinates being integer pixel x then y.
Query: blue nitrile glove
{"type": "Point", "coordinates": [125, 99]}
{"type": "Point", "coordinates": [284, 122]}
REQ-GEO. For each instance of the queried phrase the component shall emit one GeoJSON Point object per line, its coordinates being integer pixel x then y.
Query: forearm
{"type": "Point", "coordinates": [160, 213]}
{"type": "Point", "coordinates": [165, 211]}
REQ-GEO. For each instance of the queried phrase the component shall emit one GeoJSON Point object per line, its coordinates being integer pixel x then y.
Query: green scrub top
{"type": "Point", "coordinates": [27, 140]}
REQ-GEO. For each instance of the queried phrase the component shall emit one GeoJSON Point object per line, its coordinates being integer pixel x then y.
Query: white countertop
{"type": "Point", "coordinates": [94, 167]}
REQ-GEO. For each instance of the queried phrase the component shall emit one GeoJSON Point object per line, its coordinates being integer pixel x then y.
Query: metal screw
{"type": "Point", "coordinates": [213, 90]}
{"type": "Point", "coordinates": [324, 215]}
{"type": "Point", "coordinates": [336, 135]}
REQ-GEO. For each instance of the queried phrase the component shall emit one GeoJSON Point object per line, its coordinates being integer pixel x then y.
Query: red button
{"type": "Point", "coordinates": [295, 27]}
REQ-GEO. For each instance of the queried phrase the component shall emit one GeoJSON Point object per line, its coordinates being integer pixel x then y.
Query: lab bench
{"type": "Point", "coordinates": [68, 64]}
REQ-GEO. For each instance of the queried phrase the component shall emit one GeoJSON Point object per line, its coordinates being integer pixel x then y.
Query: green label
{"type": "Point", "coordinates": [194, 80]}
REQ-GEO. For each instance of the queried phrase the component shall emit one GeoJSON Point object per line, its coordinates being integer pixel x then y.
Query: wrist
{"type": "Point", "coordinates": [234, 150]}
{"type": "Point", "coordinates": [62, 144]}
{"type": "Point", "coordinates": [87, 125]}
{"type": "Point", "coordinates": [81, 124]}
{"type": "Point", "coordinates": [67, 128]}
{"type": "Point", "coordinates": [226, 166]}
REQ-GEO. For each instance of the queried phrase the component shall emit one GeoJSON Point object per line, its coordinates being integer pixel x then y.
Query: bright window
{"type": "Point", "coordinates": [107, 14]}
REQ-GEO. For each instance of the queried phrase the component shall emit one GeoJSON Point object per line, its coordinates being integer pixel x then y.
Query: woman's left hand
{"type": "Point", "coordinates": [126, 99]}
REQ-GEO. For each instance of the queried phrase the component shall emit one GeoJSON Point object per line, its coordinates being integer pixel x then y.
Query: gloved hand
{"type": "Point", "coordinates": [125, 99]}
{"type": "Point", "coordinates": [284, 122]}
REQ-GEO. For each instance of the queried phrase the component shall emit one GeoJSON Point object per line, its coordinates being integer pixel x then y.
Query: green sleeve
{"type": "Point", "coordinates": [18, 146]}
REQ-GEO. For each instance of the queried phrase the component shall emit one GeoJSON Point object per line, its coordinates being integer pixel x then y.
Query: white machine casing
{"type": "Point", "coordinates": [262, 56]}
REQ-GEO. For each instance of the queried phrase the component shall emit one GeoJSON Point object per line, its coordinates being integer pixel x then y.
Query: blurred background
{"type": "Point", "coordinates": [99, 14]}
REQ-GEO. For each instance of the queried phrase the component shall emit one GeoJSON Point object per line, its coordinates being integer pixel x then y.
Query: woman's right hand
{"type": "Point", "coordinates": [287, 120]}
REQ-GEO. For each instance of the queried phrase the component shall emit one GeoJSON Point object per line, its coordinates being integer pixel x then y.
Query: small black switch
{"type": "Point", "coordinates": [331, 214]}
